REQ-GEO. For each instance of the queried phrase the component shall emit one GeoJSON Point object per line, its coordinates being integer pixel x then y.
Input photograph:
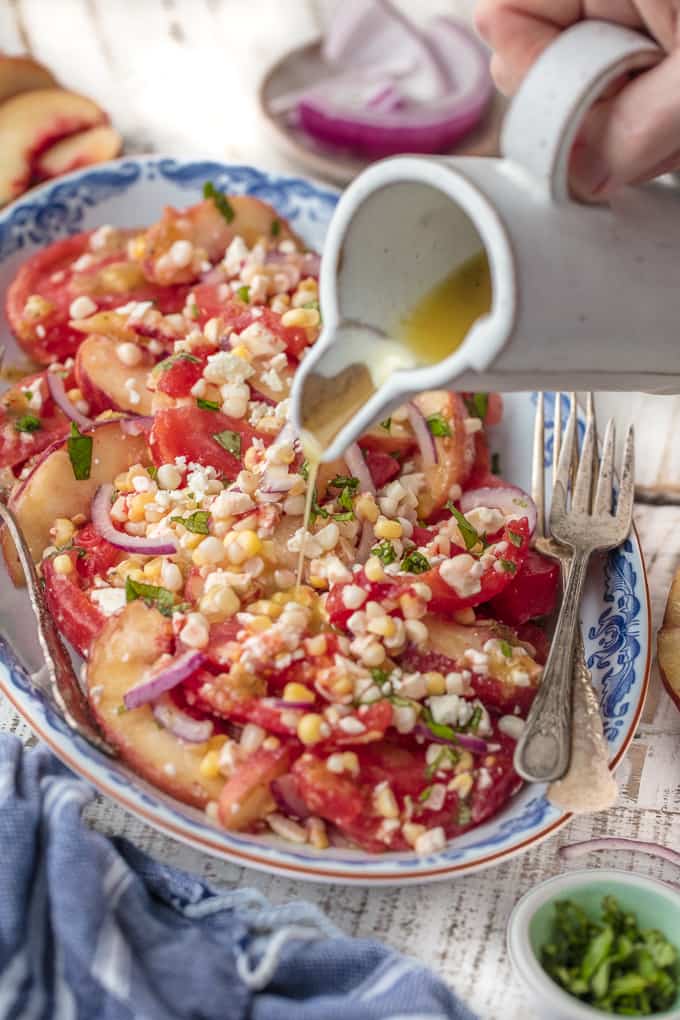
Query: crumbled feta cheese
{"type": "Point", "coordinates": [511, 725]}
{"type": "Point", "coordinates": [81, 307]}
{"type": "Point", "coordinates": [108, 600]}
{"type": "Point", "coordinates": [352, 725]}
{"type": "Point", "coordinates": [456, 572]}
{"type": "Point", "coordinates": [129, 354]}
{"type": "Point", "coordinates": [431, 841]}
{"type": "Point", "coordinates": [446, 709]}
{"type": "Point", "coordinates": [231, 504]}
{"type": "Point", "coordinates": [485, 520]}
{"type": "Point", "coordinates": [225, 367]}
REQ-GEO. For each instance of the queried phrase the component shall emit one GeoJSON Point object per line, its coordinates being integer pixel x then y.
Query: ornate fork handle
{"type": "Point", "coordinates": [543, 749]}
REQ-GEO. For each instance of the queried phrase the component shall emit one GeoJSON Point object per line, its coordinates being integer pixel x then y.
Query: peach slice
{"type": "Point", "coordinates": [96, 145]}
{"type": "Point", "coordinates": [247, 796]}
{"type": "Point", "coordinates": [668, 643]}
{"type": "Point", "coordinates": [51, 489]}
{"type": "Point", "coordinates": [106, 382]}
{"type": "Point", "coordinates": [455, 452]}
{"type": "Point", "coordinates": [453, 640]}
{"type": "Point", "coordinates": [22, 74]}
{"type": "Point", "coordinates": [32, 121]}
{"type": "Point", "coordinates": [129, 644]}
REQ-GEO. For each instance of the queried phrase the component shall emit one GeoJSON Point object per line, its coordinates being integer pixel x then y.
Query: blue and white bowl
{"type": "Point", "coordinates": [615, 610]}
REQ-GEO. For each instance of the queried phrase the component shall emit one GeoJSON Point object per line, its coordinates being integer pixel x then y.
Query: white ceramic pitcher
{"type": "Point", "coordinates": [584, 297]}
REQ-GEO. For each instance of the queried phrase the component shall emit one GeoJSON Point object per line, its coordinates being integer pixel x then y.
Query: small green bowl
{"type": "Point", "coordinates": [655, 904]}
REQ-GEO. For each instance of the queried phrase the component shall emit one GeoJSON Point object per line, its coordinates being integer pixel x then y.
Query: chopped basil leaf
{"type": "Point", "coordinates": [387, 424]}
{"type": "Point", "coordinates": [472, 725]}
{"type": "Point", "coordinates": [152, 471]}
{"type": "Point", "coordinates": [438, 729]}
{"type": "Point", "coordinates": [515, 538]}
{"type": "Point", "coordinates": [464, 814]}
{"type": "Point", "coordinates": [384, 551]}
{"type": "Point", "coordinates": [347, 515]}
{"type": "Point", "coordinates": [314, 305]}
{"type": "Point", "coordinates": [345, 500]}
{"type": "Point", "coordinates": [495, 463]}
{"type": "Point", "coordinates": [229, 441]}
{"type": "Point", "coordinates": [162, 599]}
{"type": "Point", "coordinates": [344, 482]}
{"type": "Point", "coordinates": [304, 470]}
{"type": "Point", "coordinates": [207, 405]}
{"type": "Point", "coordinates": [79, 453]}
{"type": "Point", "coordinates": [27, 423]}
{"type": "Point", "coordinates": [244, 294]}
{"type": "Point", "coordinates": [446, 754]}
{"type": "Point", "coordinates": [470, 535]}
{"type": "Point", "coordinates": [507, 566]}
{"type": "Point", "coordinates": [415, 562]}
{"type": "Point", "coordinates": [275, 228]}
{"type": "Point", "coordinates": [506, 649]}
{"type": "Point", "coordinates": [121, 709]}
{"type": "Point", "coordinates": [194, 310]}
{"type": "Point", "coordinates": [438, 425]}
{"type": "Point", "coordinates": [424, 794]}
{"type": "Point", "coordinates": [380, 676]}
{"type": "Point", "coordinates": [317, 511]}
{"type": "Point", "coordinates": [222, 203]}
{"type": "Point", "coordinates": [196, 522]}
{"type": "Point", "coordinates": [477, 405]}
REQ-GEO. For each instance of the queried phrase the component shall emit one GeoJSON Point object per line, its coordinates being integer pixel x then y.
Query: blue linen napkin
{"type": "Point", "coordinates": [93, 929]}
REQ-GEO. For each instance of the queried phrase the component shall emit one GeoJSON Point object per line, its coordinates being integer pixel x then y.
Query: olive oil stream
{"type": "Point", "coordinates": [434, 328]}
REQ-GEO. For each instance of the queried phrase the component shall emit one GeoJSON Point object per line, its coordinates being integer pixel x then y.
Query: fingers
{"type": "Point", "coordinates": [518, 34]}
{"type": "Point", "coordinates": [661, 18]}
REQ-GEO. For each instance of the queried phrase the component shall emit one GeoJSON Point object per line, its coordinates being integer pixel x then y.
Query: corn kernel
{"type": "Point", "coordinates": [366, 509]}
{"type": "Point", "coordinates": [63, 531]}
{"type": "Point", "coordinates": [411, 832]}
{"type": "Point", "coordinates": [259, 624]}
{"type": "Point", "coordinates": [217, 742]}
{"type": "Point", "coordinates": [75, 395]}
{"type": "Point", "coordinates": [210, 765]}
{"type": "Point", "coordinates": [298, 692]}
{"type": "Point", "coordinates": [386, 803]}
{"type": "Point", "coordinates": [152, 569]}
{"type": "Point", "coordinates": [219, 603]}
{"type": "Point", "coordinates": [342, 686]}
{"type": "Point", "coordinates": [62, 564]}
{"type": "Point", "coordinates": [318, 582]}
{"type": "Point", "coordinates": [385, 528]}
{"type": "Point", "coordinates": [122, 482]}
{"type": "Point", "coordinates": [305, 317]}
{"type": "Point", "coordinates": [249, 542]}
{"type": "Point", "coordinates": [382, 625]}
{"type": "Point", "coordinates": [271, 743]}
{"type": "Point", "coordinates": [309, 729]}
{"type": "Point", "coordinates": [464, 763]}
{"type": "Point", "coordinates": [461, 784]}
{"type": "Point", "coordinates": [316, 645]}
{"type": "Point", "coordinates": [136, 505]}
{"type": "Point", "coordinates": [374, 569]}
{"type": "Point", "coordinates": [350, 762]}
{"type": "Point", "coordinates": [436, 683]}
{"type": "Point", "coordinates": [241, 351]}
{"type": "Point", "coordinates": [317, 833]}
{"type": "Point", "coordinates": [266, 607]}
{"type": "Point", "coordinates": [190, 540]}
{"type": "Point", "coordinates": [209, 552]}
{"type": "Point", "coordinates": [136, 575]}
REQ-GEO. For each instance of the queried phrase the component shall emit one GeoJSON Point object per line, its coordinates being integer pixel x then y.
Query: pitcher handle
{"type": "Point", "coordinates": [544, 117]}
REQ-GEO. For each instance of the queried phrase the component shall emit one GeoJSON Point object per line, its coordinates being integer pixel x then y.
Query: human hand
{"type": "Point", "coordinates": [632, 134]}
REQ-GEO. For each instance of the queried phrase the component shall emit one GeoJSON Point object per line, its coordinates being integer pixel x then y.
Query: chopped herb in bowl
{"type": "Point", "coordinates": [611, 963]}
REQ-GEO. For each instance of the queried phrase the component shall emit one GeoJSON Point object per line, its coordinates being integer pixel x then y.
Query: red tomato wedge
{"type": "Point", "coordinates": [17, 444]}
{"type": "Point", "coordinates": [77, 617]}
{"type": "Point", "coordinates": [190, 432]}
{"type": "Point", "coordinates": [531, 594]}
{"type": "Point", "coordinates": [382, 466]}
{"type": "Point", "coordinates": [236, 316]}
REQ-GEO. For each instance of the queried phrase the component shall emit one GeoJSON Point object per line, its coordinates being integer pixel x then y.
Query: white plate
{"type": "Point", "coordinates": [615, 610]}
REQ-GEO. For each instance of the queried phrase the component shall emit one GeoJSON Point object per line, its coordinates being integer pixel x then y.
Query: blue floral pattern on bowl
{"type": "Point", "coordinates": [134, 190]}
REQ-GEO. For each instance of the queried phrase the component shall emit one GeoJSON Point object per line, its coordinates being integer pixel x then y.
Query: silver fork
{"type": "Point", "coordinates": [542, 752]}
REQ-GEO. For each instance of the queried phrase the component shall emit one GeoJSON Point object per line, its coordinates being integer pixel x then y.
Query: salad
{"type": "Point", "coordinates": [161, 491]}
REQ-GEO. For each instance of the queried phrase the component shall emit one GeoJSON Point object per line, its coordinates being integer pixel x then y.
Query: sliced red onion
{"type": "Point", "coordinates": [574, 850]}
{"type": "Point", "coordinates": [510, 500]}
{"type": "Point", "coordinates": [273, 482]}
{"type": "Point", "coordinates": [467, 740]}
{"type": "Point", "coordinates": [356, 462]}
{"type": "Point", "coordinates": [429, 119]}
{"type": "Point", "coordinates": [179, 723]}
{"type": "Point", "coordinates": [424, 438]}
{"type": "Point", "coordinates": [282, 703]}
{"type": "Point", "coordinates": [55, 385]}
{"type": "Point", "coordinates": [387, 97]}
{"type": "Point", "coordinates": [366, 542]}
{"type": "Point", "coordinates": [134, 426]}
{"type": "Point", "coordinates": [151, 688]}
{"type": "Point", "coordinates": [101, 518]}
{"type": "Point", "coordinates": [287, 796]}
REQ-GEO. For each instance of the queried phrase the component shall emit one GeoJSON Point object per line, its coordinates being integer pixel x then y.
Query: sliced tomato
{"type": "Point", "coordinates": [75, 615]}
{"type": "Point", "coordinates": [382, 466]}
{"type": "Point", "coordinates": [531, 594]}
{"type": "Point", "coordinates": [94, 554]}
{"type": "Point", "coordinates": [497, 782]}
{"type": "Point", "coordinates": [237, 316]}
{"type": "Point", "coordinates": [180, 373]}
{"type": "Point", "coordinates": [190, 432]}
{"type": "Point", "coordinates": [329, 795]}
{"type": "Point", "coordinates": [17, 445]}
{"type": "Point", "coordinates": [537, 637]}
{"type": "Point", "coordinates": [246, 797]}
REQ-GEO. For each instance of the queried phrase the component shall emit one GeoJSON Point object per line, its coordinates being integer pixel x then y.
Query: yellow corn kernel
{"type": "Point", "coordinates": [383, 626]}
{"type": "Point", "coordinates": [190, 541]}
{"type": "Point", "coordinates": [316, 645]}
{"type": "Point", "coordinates": [464, 763]}
{"type": "Point", "coordinates": [63, 531]}
{"type": "Point", "coordinates": [366, 509]}
{"type": "Point", "coordinates": [259, 624]}
{"type": "Point", "coordinates": [37, 307]}
{"type": "Point", "coordinates": [305, 317]}
{"type": "Point", "coordinates": [489, 760]}
{"type": "Point", "coordinates": [374, 569]}
{"type": "Point", "coordinates": [136, 575]}
{"type": "Point", "coordinates": [298, 692]}
{"type": "Point", "coordinates": [271, 743]}
{"type": "Point", "coordinates": [319, 582]}
{"type": "Point", "coordinates": [411, 831]}
{"type": "Point", "coordinates": [385, 528]}
{"type": "Point", "coordinates": [342, 686]}
{"type": "Point", "coordinates": [318, 837]}
{"type": "Point", "coordinates": [309, 728]}
{"type": "Point", "coordinates": [386, 803]}
{"type": "Point", "coordinates": [136, 248]}
{"type": "Point", "coordinates": [465, 616]}
{"type": "Point", "coordinates": [266, 607]}
{"type": "Point", "coordinates": [219, 603]}
{"type": "Point", "coordinates": [217, 742]}
{"type": "Point", "coordinates": [350, 762]}
{"type": "Point", "coordinates": [251, 457]}
{"type": "Point", "coordinates": [126, 566]}
{"type": "Point", "coordinates": [210, 765]}
{"type": "Point", "coordinates": [152, 569]}
{"type": "Point", "coordinates": [461, 784]}
{"type": "Point", "coordinates": [136, 505]}
{"type": "Point", "coordinates": [62, 564]}
{"type": "Point", "coordinates": [75, 394]}
{"type": "Point", "coordinates": [249, 542]}
{"type": "Point", "coordinates": [412, 607]}
{"type": "Point", "coordinates": [241, 351]}
{"type": "Point", "coordinates": [304, 596]}
{"type": "Point", "coordinates": [436, 683]}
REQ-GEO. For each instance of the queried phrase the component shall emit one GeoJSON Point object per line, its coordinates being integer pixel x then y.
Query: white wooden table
{"type": "Point", "coordinates": [180, 76]}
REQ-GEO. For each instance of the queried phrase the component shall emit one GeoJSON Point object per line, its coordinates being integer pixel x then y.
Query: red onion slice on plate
{"type": "Point", "coordinates": [179, 723]}
{"type": "Point", "coordinates": [574, 850]}
{"type": "Point", "coordinates": [510, 500]}
{"type": "Point", "coordinates": [287, 796]}
{"type": "Point", "coordinates": [101, 519]}
{"type": "Point", "coordinates": [358, 467]}
{"type": "Point", "coordinates": [424, 438]}
{"type": "Point", "coordinates": [151, 688]}
{"type": "Point", "coordinates": [55, 385]}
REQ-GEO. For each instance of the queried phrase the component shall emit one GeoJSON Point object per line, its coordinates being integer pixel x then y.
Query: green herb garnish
{"type": "Point", "coordinates": [477, 405]}
{"type": "Point", "coordinates": [612, 963]}
{"type": "Point", "coordinates": [380, 676]}
{"type": "Point", "coordinates": [495, 463]}
{"type": "Point", "coordinates": [506, 648]}
{"type": "Point", "coordinates": [471, 536]}
{"type": "Point", "coordinates": [79, 453]}
{"type": "Point", "coordinates": [196, 522]}
{"type": "Point", "coordinates": [438, 729]}
{"type": "Point", "coordinates": [160, 598]}
{"type": "Point", "coordinates": [344, 482]}
{"type": "Point", "coordinates": [244, 294]}
{"type": "Point", "coordinates": [446, 754]}
{"type": "Point", "coordinates": [194, 311]}
{"type": "Point", "coordinates": [384, 551]}
{"type": "Point", "coordinates": [304, 470]}
{"type": "Point", "coordinates": [438, 425]}
{"type": "Point", "coordinates": [163, 366]}
{"type": "Point", "coordinates": [152, 471]}
{"type": "Point", "coordinates": [424, 794]}
{"type": "Point", "coordinates": [472, 725]}
{"type": "Point", "coordinates": [222, 203]}
{"type": "Point", "coordinates": [346, 515]}
{"type": "Point", "coordinates": [508, 566]}
{"type": "Point", "coordinates": [27, 423]}
{"type": "Point", "coordinates": [415, 562]}
{"type": "Point", "coordinates": [515, 538]}
{"type": "Point", "coordinates": [387, 424]}
{"type": "Point", "coordinates": [464, 814]}
{"type": "Point", "coordinates": [275, 228]}
{"type": "Point", "coordinates": [207, 405]}
{"type": "Point", "coordinates": [229, 441]}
